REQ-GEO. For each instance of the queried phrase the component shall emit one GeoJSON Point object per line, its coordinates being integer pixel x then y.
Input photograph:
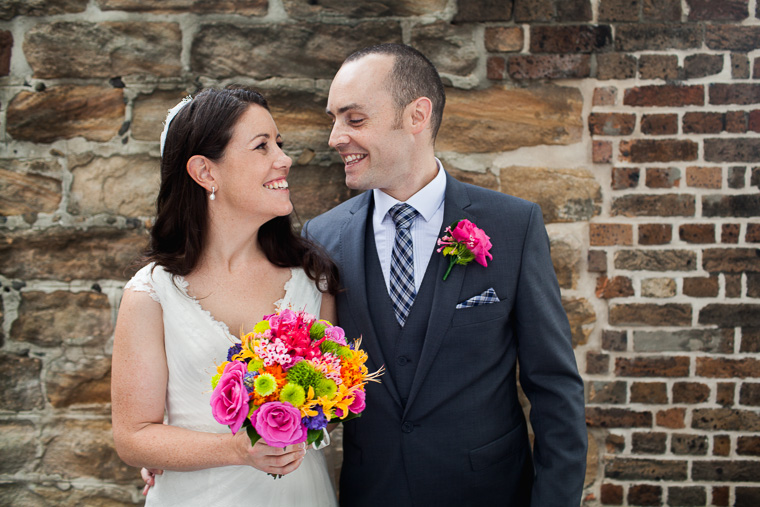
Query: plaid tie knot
{"type": "Point", "coordinates": [402, 289]}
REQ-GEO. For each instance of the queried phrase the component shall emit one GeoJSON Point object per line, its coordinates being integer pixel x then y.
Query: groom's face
{"type": "Point", "coordinates": [367, 132]}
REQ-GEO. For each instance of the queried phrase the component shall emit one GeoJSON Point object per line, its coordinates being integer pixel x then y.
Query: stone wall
{"type": "Point", "coordinates": [635, 124]}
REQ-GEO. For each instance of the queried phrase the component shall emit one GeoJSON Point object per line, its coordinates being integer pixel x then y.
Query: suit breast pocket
{"type": "Point", "coordinates": [482, 313]}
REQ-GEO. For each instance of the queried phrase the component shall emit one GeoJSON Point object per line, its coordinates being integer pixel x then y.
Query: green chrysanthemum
{"type": "Point", "coordinates": [215, 380]}
{"type": "Point", "coordinates": [304, 374]}
{"type": "Point", "coordinates": [335, 349]}
{"type": "Point", "coordinates": [317, 330]}
{"type": "Point", "coordinates": [326, 387]}
{"type": "Point", "coordinates": [261, 327]}
{"type": "Point", "coordinates": [293, 394]}
{"type": "Point", "coordinates": [255, 365]}
{"type": "Point", "coordinates": [265, 384]}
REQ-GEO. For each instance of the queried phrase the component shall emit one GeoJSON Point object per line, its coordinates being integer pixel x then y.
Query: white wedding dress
{"type": "Point", "coordinates": [195, 343]}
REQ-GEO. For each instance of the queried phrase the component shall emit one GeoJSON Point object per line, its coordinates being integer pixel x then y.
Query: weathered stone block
{"type": "Point", "coordinates": [582, 318]}
{"type": "Point", "coordinates": [655, 260]}
{"type": "Point", "coordinates": [149, 113]}
{"type": "Point", "coordinates": [78, 378]}
{"type": "Point", "coordinates": [658, 288]}
{"type": "Point", "coordinates": [316, 189]}
{"type": "Point", "coordinates": [20, 387]}
{"type": "Point", "coordinates": [503, 39]}
{"type": "Point", "coordinates": [314, 51]}
{"type": "Point", "coordinates": [12, 8]}
{"type": "Point", "coordinates": [565, 195]}
{"type": "Point", "coordinates": [451, 48]}
{"type": "Point", "coordinates": [18, 443]}
{"type": "Point", "coordinates": [56, 318]}
{"type": "Point", "coordinates": [240, 7]}
{"type": "Point", "coordinates": [95, 456]}
{"type": "Point", "coordinates": [64, 49]}
{"type": "Point", "coordinates": [566, 258]}
{"type": "Point", "coordinates": [615, 287]}
{"type": "Point", "coordinates": [68, 254]}
{"type": "Point", "coordinates": [116, 185]}
{"type": "Point", "coordinates": [65, 112]}
{"type": "Point", "coordinates": [29, 186]}
{"type": "Point", "coordinates": [503, 119]}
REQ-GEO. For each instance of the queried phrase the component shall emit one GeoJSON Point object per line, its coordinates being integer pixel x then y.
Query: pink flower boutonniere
{"type": "Point", "coordinates": [463, 242]}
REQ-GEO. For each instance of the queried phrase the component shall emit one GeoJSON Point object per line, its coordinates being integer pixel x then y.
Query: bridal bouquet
{"type": "Point", "coordinates": [289, 378]}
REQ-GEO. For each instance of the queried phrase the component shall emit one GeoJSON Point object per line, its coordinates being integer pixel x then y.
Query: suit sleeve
{"type": "Point", "coordinates": [549, 375]}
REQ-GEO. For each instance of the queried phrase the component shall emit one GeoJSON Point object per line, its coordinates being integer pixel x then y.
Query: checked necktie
{"type": "Point", "coordinates": [402, 262]}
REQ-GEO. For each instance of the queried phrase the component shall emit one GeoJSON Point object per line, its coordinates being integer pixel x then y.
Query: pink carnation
{"type": "Point", "coordinates": [358, 404]}
{"type": "Point", "coordinates": [477, 241]}
{"type": "Point", "coordinates": [279, 424]}
{"type": "Point", "coordinates": [229, 401]}
{"type": "Point", "coordinates": [335, 334]}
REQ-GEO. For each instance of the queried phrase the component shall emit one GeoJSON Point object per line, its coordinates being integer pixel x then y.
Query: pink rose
{"type": "Point", "coordinates": [229, 401]}
{"type": "Point", "coordinates": [476, 240]}
{"type": "Point", "coordinates": [279, 424]}
{"type": "Point", "coordinates": [283, 322]}
{"type": "Point", "coordinates": [358, 404]}
{"type": "Point", "coordinates": [335, 334]}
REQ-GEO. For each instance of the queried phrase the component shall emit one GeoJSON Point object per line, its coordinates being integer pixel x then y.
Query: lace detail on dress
{"type": "Point", "coordinates": [182, 285]}
{"type": "Point", "coordinates": [288, 286]}
{"type": "Point", "coordinates": [143, 282]}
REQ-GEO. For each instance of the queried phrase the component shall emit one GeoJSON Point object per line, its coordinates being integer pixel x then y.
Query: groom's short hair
{"type": "Point", "coordinates": [413, 76]}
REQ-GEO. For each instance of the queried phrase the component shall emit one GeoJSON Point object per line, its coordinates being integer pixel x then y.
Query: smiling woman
{"type": "Point", "coordinates": [222, 254]}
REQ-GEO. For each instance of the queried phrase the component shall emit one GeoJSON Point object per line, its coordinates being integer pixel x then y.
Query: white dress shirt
{"type": "Point", "coordinates": [428, 201]}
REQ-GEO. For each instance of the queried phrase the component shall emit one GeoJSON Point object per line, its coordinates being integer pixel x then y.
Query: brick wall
{"type": "Point", "coordinates": [635, 124]}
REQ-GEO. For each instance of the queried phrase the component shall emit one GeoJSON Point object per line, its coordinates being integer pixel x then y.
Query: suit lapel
{"type": "Point", "coordinates": [354, 262]}
{"type": "Point", "coordinates": [446, 292]}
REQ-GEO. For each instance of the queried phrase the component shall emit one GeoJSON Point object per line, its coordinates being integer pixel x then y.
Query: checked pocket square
{"type": "Point", "coordinates": [487, 297]}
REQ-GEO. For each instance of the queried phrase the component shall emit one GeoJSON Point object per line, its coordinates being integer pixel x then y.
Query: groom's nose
{"type": "Point", "coordinates": [338, 136]}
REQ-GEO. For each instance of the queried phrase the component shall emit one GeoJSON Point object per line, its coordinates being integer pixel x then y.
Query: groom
{"type": "Point", "coordinates": [445, 426]}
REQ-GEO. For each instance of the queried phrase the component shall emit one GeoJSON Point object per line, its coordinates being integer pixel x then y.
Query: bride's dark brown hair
{"type": "Point", "coordinates": [204, 127]}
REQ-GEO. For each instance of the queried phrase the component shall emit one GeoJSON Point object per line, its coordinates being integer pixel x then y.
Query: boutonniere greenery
{"type": "Point", "coordinates": [462, 242]}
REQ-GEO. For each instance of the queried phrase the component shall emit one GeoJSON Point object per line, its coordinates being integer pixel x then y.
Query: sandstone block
{"type": "Point", "coordinates": [658, 288]}
{"type": "Point", "coordinates": [566, 257]}
{"type": "Point", "coordinates": [316, 189]}
{"type": "Point", "coordinates": [68, 254]}
{"type": "Point", "coordinates": [18, 442]}
{"type": "Point", "coordinates": [582, 318]}
{"type": "Point", "coordinates": [9, 9]}
{"type": "Point", "coordinates": [715, 341]}
{"type": "Point", "coordinates": [29, 186]}
{"type": "Point", "coordinates": [301, 118]}
{"type": "Point", "coordinates": [65, 49]}
{"type": "Point", "coordinates": [56, 318]}
{"type": "Point", "coordinates": [78, 379]}
{"type": "Point", "coordinates": [65, 112]}
{"type": "Point", "coordinates": [149, 113]}
{"type": "Point", "coordinates": [451, 48]}
{"type": "Point", "coordinates": [503, 39]}
{"type": "Point", "coordinates": [118, 185]}
{"type": "Point", "coordinates": [240, 7]}
{"type": "Point", "coordinates": [20, 387]}
{"type": "Point", "coordinates": [226, 50]}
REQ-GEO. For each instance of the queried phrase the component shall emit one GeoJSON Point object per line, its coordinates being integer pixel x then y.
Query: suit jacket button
{"type": "Point", "coordinates": [401, 360]}
{"type": "Point", "coordinates": [407, 427]}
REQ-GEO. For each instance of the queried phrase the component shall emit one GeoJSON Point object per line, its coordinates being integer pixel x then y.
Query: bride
{"type": "Point", "coordinates": [222, 255]}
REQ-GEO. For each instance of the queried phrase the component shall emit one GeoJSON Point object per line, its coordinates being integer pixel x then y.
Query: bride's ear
{"type": "Point", "coordinates": [199, 169]}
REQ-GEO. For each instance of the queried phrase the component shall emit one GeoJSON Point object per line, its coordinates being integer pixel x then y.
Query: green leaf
{"type": "Point", "coordinates": [315, 437]}
{"type": "Point", "coordinates": [255, 437]}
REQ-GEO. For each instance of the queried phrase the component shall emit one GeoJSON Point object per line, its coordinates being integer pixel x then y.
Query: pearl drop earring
{"type": "Point", "coordinates": [213, 195]}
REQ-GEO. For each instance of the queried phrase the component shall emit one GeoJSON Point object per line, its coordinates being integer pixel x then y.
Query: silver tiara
{"type": "Point", "coordinates": [169, 117]}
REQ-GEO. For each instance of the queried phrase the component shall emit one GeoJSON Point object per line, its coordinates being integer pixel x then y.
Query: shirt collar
{"type": "Point", "coordinates": [426, 201]}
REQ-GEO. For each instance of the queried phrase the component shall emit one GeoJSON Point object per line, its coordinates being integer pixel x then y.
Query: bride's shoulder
{"type": "Point", "coordinates": [148, 279]}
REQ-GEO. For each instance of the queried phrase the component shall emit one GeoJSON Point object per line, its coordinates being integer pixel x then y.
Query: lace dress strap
{"type": "Point", "coordinates": [143, 281]}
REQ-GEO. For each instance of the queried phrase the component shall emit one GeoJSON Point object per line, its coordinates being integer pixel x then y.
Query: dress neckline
{"type": "Point", "coordinates": [183, 285]}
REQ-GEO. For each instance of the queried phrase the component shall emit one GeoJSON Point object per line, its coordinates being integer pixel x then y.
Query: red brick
{"type": "Point", "coordinates": [721, 445]}
{"type": "Point", "coordinates": [733, 285]}
{"type": "Point", "coordinates": [659, 124]}
{"type": "Point", "coordinates": [611, 124]}
{"type": "Point", "coordinates": [753, 122]}
{"type": "Point", "coordinates": [615, 66]}
{"type": "Point", "coordinates": [610, 234]}
{"type": "Point", "coordinates": [724, 396]}
{"type": "Point", "coordinates": [750, 394]}
{"type": "Point", "coordinates": [611, 494]}
{"type": "Point", "coordinates": [648, 443]}
{"type": "Point", "coordinates": [661, 10]}
{"type": "Point", "coordinates": [618, 10]}
{"type": "Point", "coordinates": [726, 470]}
{"type": "Point", "coordinates": [6, 44]}
{"type": "Point", "coordinates": [663, 177]}
{"type": "Point", "coordinates": [739, 66]}
{"type": "Point", "coordinates": [697, 233]}
{"type": "Point", "coordinates": [601, 152]}
{"type": "Point", "coordinates": [687, 495]}
{"type": "Point", "coordinates": [614, 340]}
{"type": "Point", "coordinates": [605, 96]}
{"type": "Point", "coordinates": [720, 495]}
{"type": "Point", "coordinates": [685, 444]}
{"type": "Point", "coordinates": [756, 68]}
{"type": "Point", "coordinates": [753, 233]}
{"type": "Point", "coordinates": [661, 150]}
{"type": "Point", "coordinates": [655, 234]}
{"type": "Point", "coordinates": [728, 368]}
{"type": "Point", "coordinates": [736, 122]}
{"type": "Point", "coordinates": [671, 418]}
{"type": "Point", "coordinates": [657, 37]}
{"type": "Point", "coordinates": [614, 444]}
{"type": "Point", "coordinates": [703, 123]}
{"type": "Point", "coordinates": [617, 287]}
{"type": "Point", "coordinates": [751, 337]}
{"type": "Point", "coordinates": [624, 177]}
{"type": "Point", "coordinates": [644, 494]}
{"type": "Point", "coordinates": [652, 366]}
{"type": "Point", "coordinates": [649, 392]}
{"type": "Point", "coordinates": [597, 261]}
{"type": "Point", "coordinates": [724, 10]}
{"type": "Point", "coordinates": [731, 260]}
{"type": "Point", "coordinates": [704, 177]}
{"type": "Point", "coordinates": [647, 469]}
{"type": "Point", "coordinates": [503, 39]}
{"type": "Point", "coordinates": [663, 205]}
{"type": "Point", "coordinates": [658, 67]}
{"type": "Point", "coordinates": [572, 66]}
{"type": "Point", "coordinates": [597, 417]}
{"type": "Point", "coordinates": [736, 176]}
{"type": "Point", "coordinates": [569, 38]}
{"type": "Point", "coordinates": [729, 233]}
{"type": "Point", "coordinates": [690, 392]}
{"type": "Point", "coordinates": [496, 68]}
{"type": "Point", "coordinates": [664, 96]}
{"type": "Point", "coordinates": [702, 287]}
{"type": "Point", "coordinates": [702, 65]}
{"type": "Point", "coordinates": [597, 364]}
{"type": "Point", "coordinates": [730, 315]}
{"type": "Point", "coordinates": [748, 445]}
{"type": "Point", "coordinates": [736, 93]}
{"type": "Point", "coordinates": [732, 150]}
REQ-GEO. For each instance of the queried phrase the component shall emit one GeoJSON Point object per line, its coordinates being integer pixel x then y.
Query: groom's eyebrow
{"type": "Point", "coordinates": [345, 108]}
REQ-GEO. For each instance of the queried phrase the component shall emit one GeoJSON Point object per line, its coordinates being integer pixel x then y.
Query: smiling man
{"type": "Point", "coordinates": [445, 426]}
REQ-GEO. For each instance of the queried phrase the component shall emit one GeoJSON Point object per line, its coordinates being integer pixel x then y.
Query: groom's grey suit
{"type": "Point", "coordinates": [445, 426]}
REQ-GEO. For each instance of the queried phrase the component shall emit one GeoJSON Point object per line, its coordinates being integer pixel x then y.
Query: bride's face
{"type": "Point", "coordinates": [252, 174]}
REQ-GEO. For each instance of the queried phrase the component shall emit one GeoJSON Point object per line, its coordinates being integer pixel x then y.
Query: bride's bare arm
{"type": "Point", "coordinates": [328, 311]}
{"type": "Point", "coordinates": [138, 392]}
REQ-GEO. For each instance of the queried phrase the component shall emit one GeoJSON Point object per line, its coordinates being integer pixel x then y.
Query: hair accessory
{"type": "Point", "coordinates": [169, 117]}
{"type": "Point", "coordinates": [212, 196]}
